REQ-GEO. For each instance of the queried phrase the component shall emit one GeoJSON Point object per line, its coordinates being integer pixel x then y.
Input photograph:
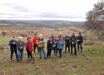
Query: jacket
{"type": "Point", "coordinates": [49, 45]}
{"type": "Point", "coordinates": [41, 43]}
{"type": "Point", "coordinates": [73, 39]}
{"type": "Point", "coordinates": [35, 39]}
{"type": "Point", "coordinates": [67, 40]}
{"type": "Point", "coordinates": [80, 39]}
{"type": "Point", "coordinates": [60, 44]}
{"type": "Point", "coordinates": [20, 45]}
{"type": "Point", "coordinates": [13, 44]}
{"type": "Point", "coordinates": [29, 46]}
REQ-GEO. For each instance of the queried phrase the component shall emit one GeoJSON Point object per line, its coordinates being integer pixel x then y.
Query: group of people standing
{"type": "Point", "coordinates": [72, 44]}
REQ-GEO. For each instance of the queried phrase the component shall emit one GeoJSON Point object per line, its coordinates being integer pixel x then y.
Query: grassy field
{"type": "Point", "coordinates": [90, 62]}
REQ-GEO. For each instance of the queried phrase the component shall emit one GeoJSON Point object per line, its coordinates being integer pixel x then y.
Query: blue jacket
{"type": "Point", "coordinates": [60, 44]}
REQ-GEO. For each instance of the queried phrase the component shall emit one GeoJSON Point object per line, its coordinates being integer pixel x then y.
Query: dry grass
{"type": "Point", "coordinates": [90, 62]}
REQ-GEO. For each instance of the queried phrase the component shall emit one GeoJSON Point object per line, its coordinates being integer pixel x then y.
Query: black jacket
{"type": "Point", "coordinates": [73, 39]}
{"type": "Point", "coordinates": [67, 40]}
{"type": "Point", "coordinates": [49, 45]}
{"type": "Point", "coordinates": [80, 39]}
{"type": "Point", "coordinates": [13, 44]}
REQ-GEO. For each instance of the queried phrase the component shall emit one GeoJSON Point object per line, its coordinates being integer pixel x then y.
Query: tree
{"type": "Point", "coordinates": [95, 18]}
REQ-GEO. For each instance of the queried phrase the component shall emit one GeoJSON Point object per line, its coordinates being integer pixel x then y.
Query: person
{"type": "Point", "coordinates": [20, 48]}
{"type": "Point", "coordinates": [13, 47]}
{"type": "Point", "coordinates": [79, 42]}
{"type": "Point", "coordinates": [41, 46]}
{"type": "Point", "coordinates": [73, 44]}
{"type": "Point", "coordinates": [35, 39]}
{"type": "Point", "coordinates": [67, 44]}
{"type": "Point", "coordinates": [29, 49]}
{"type": "Point", "coordinates": [49, 47]}
{"type": "Point", "coordinates": [60, 46]}
{"type": "Point", "coordinates": [60, 36]}
{"type": "Point", "coordinates": [53, 38]}
{"type": "Point", "coordinates": [55, 45]}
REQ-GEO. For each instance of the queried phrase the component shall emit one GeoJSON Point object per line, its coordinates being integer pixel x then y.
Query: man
{"type": "Point", "coordinates": [73, 44]}
{"type": "Point", "coordinates": [41, 46]}
{"type": "Point", "coordinates": [49, 47]}
{"type": "Point", "coordinates": [79, 41]}
{"type": "Point", "coordinates": [67, 44]}
{"type": "Point", "coordinates": [13, 47]}
{"type": "Point", "coordinates": [53, 43]}
{"type": "Point", "coordinates": [35, 39]}
{"type": "Point", "coordinates": [20, 47]}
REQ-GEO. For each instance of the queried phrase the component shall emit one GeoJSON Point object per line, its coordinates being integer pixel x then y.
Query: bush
{"type": "Point", "coordinates": [4, 33]}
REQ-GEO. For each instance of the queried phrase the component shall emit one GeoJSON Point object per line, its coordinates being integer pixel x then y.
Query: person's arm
{"type": "Point", "coordinates": [77, 38]}
{"type": "Point", "coordinates": [10, 42]}
{"type": "Point", "coordinates": [82, 39]}
{"type": "Point", "coordinates": [47, 44]}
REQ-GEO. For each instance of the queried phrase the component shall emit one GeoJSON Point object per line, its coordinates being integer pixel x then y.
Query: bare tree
{"type": "Point", "coordinates": [95, 18]}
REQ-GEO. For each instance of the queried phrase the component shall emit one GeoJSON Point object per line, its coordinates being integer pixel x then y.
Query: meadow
{"type": "Point", "coordinates": [89, 62]}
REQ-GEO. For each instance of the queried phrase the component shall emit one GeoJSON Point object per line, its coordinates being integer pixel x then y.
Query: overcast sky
{"type": "Point", "coordinates": [45, 9]}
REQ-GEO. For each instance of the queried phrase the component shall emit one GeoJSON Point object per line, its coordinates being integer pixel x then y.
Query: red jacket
{"type": "Point", "coordinates": [29, 46]}
{"type": "Point", "coordinates": [35, 39]}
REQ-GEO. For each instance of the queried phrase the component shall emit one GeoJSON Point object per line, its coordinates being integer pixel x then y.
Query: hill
{"type": "Point", "coordinates": [47, 23]}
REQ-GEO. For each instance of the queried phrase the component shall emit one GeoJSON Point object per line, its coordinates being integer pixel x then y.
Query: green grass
{"type": "Point", "coordinates": [90, 62]}
{"type": "Point", "coordinates": [4, 39]}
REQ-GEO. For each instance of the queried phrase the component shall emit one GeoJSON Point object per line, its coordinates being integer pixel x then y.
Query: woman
{"type": "Point", "coordinates": [20, 48]}
{"type": "Point", "coordinates": [60, 46]}
{"type": "Point", "coordinates": [29, 48]}
{"type": "Point", "coordinates": [41, 46]}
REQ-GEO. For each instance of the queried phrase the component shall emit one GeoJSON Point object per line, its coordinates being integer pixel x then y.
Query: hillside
{"type": "Point", "coordinates": [49, 23]}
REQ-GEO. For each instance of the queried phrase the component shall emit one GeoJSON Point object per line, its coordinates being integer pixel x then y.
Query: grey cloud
{"type": "Point", "coordinates": [54, 15]}
{"type": "Point", "coordinates": [16, 7]}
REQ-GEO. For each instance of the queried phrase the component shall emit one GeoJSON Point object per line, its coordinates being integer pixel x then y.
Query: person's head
{"type": "Point", "coordinates": [79, 33]}
{"type": "Point", "coordinates": [40, 36]}
{"type": "Point", "coordinates": [20, 38]}
{"type": "Point", "coordinates": [60, 33]}
{"type": "Point", "coordinates": [35, 33]}
{"type": "Point", "coordinates": [14, 38]}
{"type": "Point", "coordinates": [73, 34]}
{"type": "Point", "coordinates": [28, 39]}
